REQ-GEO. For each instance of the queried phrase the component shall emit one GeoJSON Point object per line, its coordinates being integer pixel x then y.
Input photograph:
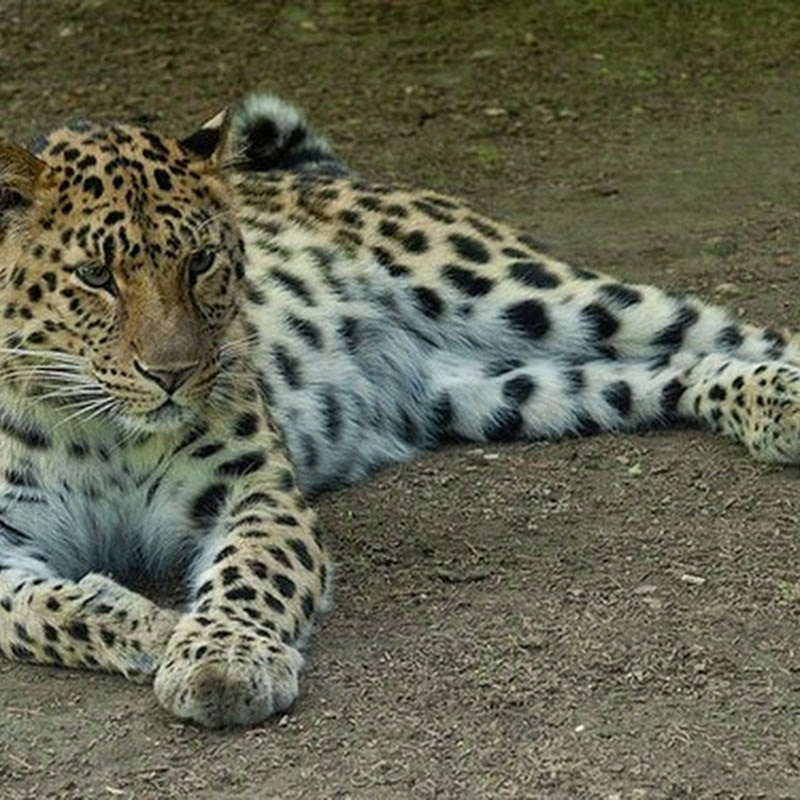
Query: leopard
{"type": "Point", "coordinates": [200, 335]}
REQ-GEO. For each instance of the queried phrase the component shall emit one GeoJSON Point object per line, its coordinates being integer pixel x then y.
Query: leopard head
{"type": "Point", "coordinates": [120, 273]}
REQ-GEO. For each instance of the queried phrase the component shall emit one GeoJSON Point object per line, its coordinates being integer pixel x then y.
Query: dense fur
{"type": "Point", "coordinates": [198, 335]}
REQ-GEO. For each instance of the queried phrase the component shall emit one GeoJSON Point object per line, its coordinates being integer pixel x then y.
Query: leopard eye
{"type": "Point", "coordinates": [96, 276]}
{"type": "Point", "coordinates": [201, 262]}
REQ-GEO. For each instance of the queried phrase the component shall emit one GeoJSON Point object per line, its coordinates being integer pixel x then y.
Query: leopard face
{"type": "Point", "coordinates": [121, 272]}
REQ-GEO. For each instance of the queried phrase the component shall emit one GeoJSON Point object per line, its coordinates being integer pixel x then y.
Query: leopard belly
{"type": "Point", "coordinates": [346, 374]}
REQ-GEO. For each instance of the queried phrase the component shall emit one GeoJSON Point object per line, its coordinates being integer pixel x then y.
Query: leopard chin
{"type": "Point", "coordinates": [167, 418]}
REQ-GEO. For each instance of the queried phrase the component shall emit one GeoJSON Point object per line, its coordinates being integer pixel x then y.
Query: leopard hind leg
{"type": "Point", "coordinates": [755, 403]}
{"type": "Point", "coordinates": [508, 400]}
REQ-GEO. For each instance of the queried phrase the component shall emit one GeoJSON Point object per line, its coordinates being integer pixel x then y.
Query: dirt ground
{"type": "Point", "coordinates": [606, 618]}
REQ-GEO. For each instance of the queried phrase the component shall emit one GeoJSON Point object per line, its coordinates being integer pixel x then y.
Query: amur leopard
{"type": "Point", "coordinates": [196, 336]}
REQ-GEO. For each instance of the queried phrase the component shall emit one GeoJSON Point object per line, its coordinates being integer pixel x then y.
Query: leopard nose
{"type": "Point", "coordinates": [170, 380]}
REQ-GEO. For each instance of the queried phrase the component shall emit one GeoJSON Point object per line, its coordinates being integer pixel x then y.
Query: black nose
{"type": "Point", "coordinates": [170, 380]}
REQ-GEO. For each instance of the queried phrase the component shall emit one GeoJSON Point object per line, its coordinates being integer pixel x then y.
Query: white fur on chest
{"type": "Point", "coordinates": [112, 509]}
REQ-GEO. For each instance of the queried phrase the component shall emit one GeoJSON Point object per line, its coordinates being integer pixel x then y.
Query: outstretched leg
{"type": "Point", "coordinates": [93, 623]}
{"type": "Point", "coordinates": [756, 403]}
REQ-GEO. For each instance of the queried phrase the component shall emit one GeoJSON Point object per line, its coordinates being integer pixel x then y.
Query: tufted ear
{"type": "Point", "coordinates": [210, 142]}
{"type": "Point", "coordinates": [19, 173]}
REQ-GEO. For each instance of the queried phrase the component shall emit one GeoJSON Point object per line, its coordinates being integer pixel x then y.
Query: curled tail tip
{"type": "Point", "coordinates": [273, 134]}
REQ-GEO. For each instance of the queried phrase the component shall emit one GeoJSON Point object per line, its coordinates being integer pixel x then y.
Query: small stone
{"type": "Point", "coordinates": [727, 289]}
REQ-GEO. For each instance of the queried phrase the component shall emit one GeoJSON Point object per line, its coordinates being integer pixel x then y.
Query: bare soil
{"type": "Point", "coordinates": [607, 618]}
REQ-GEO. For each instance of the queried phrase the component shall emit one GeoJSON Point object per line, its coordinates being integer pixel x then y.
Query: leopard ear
{"type": "Point", "coordinates": [19, 174]}
{"type": "Point", "coordinates": [210, 141]}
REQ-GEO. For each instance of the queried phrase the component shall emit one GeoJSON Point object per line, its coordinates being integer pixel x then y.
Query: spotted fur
{"type": "Point", "coordinates": [197, 336]}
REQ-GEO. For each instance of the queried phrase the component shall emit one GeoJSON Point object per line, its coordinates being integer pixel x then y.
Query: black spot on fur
{"type": "Point", "coordinates": [207, 505]}
{"type": "Point", "coordinates": [253, 501]}
{"type": "Point", "coordinates": [86, 162]}
{"type": "Point", "coordinates": [78, 631]}
{"type": "Point", "coordinates": [532, 273]}
{"type": "Point", "coordinates": [230, 575]}
{"type": "Point", "coordinates": [469, 248]}
{"type": "Point", "coordinates": [730, 337]}
{"type": "Point", "coordinates": [388, 228]}
{"type": "Point", "coordinates": [239, 593]}
{"type": "Point", "coordinates": [294, 284]}
{"type": "Point", "coordinates": [206, 450]}
{"type": "Point", "coordinates": [225, 553]}
{"type": "Point", "coordinates": [504, 426]}
{"type": "Point", "coordinates": [416, 242]}
{"type": "Point", "coordinates": [369, 202]}
{"type": "Point", "coordinates": [29, 436]}
{"type": "Point", "coordinates": [288, 366]}
{"type": "Point", "coordinates": [586, 426]}
{"type": "Point", "coordinates": [94, 186]}
{"type": "Point", "coordinates": [307, 330]}
{"type": "Point", "coordinates": [307, 604]}
{"type": "Point", "coordinates": [108, 637]}
{"type": "Point", "coordinates": [467, 281]}
{"type": "Point", "coordinates": [601, 322]}
{"type": "Point", "coordinates": [332, 414]}
{"type": "Point", "coordinates": [163, 179]}
{"type": "Point", "coordinates": [575, 380]}
{"type": "Point", "coordinates": [284, 584]}
{"type": "Point", "coordinates": [348, 330]}
{"type": "Point", "coordinates": [428, 302]}
{"type": "Point", "coordinates": [519, 389]}
{"type": "Point", "coordinates": [21, 477]}
{"type": "Point", "coordinates": [672, 336]}
{"type": "Point", "coordinates": [258, 568]}
{"type": "Point", "coordinates": [300, 550]}
{"type": "Point", "coordinates": [273, 603]}
{"type": "Point", "coordinates": [431, 210]}
{"type": "Point", "coordinates": [484, 228]}
{"type": "Point", "coordinates": [624, 296]}
{"type": "Point", "coordinates": [442, 415]}
{"type": "Point", "coordinates": [280, 556]}
{"type": "Point", "coordinates": [717, 392]}
{"type": "Point", "coordinates": [671, 395]}
{"type": "Point", "coordinates": [777, 344]}
{"type": "Point", "coordinates": [244, 464]}
{"type": "Point", "coordinates": [528, 317]}
{"type": "Point", "coordinates": [619, 396]}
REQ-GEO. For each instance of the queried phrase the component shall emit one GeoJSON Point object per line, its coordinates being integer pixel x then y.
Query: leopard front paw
{"type": "Point", "coordinates": [127, 632]}
{"type": "Point", "coordinates": [226, 673]}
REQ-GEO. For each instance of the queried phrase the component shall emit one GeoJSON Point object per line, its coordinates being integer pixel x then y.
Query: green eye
{"type": "Point", "coordinates": [201, 262]}
{"type": "Point", "coordinates": [96, 276]}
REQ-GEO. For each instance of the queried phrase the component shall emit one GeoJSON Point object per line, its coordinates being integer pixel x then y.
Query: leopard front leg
{"type": "Point", "coordinates": [93, 623]}
{"type": "Point", "coordinates": [258, 584]}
